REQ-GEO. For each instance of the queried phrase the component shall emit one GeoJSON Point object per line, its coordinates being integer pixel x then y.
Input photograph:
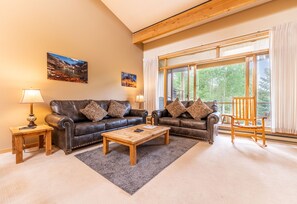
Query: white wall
{"type": "Point", "coordinates": [81, 29]}
{"type": "Point", "coordinates": [256, 19]}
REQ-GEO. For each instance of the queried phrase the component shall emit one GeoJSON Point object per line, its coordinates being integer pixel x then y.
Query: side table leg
{"type": "Point", "coordinates": [133, 155]}
{"type": "Point", "coordinates": [48, 143]}
{"type": "Point", "coordinates": [166, 137]}
{"type": "Point", "coordinates": [41, 141]}
{"type": "Point", "coordinates": [105, 146]}
{"type": "Point", "coordinates": [18, 149]}
{"type": "Point", "coordinates": [13, 144]}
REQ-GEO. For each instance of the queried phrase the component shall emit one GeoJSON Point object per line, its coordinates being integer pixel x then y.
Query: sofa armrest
{"type": "Point", "coordinates": [58, 121]}
{"type": "Point", "coordinates": [156, 114]}
{"type": "Point", "coordinates": [140, 113]}
{"type": "Point", "coordinates": [212, 119]}
{"type": "Point", "coordinates": [63, 130]}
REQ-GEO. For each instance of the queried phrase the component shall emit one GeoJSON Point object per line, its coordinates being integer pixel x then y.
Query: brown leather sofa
{"type": "Point", "coordinates": [73, 130]}
{"type": "Point", "coordinates": [186, 126]}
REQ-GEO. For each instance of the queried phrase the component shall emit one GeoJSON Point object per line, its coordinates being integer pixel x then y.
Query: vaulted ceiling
{"type": "Point", "coordinates": [152, 19]}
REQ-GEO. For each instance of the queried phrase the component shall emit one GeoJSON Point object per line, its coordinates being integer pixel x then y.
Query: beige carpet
{"type": "Point", "coordinates": [218, 173]}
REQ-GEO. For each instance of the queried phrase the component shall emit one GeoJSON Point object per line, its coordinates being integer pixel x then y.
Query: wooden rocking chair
{"type": "Point", "coordinates": [244, 119]}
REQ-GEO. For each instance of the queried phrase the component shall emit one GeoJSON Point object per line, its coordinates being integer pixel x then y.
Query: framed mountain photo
{"type": "Point", "coordinates": [128, 80]}
{"type": "Point", "coordinates": [66, 69]}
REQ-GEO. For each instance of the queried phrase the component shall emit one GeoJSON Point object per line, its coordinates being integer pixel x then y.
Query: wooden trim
{"type": "Point", "coordinates": [2, 151]}
{"type": "Point", "coordinates": [255, 81]}
{"type": "Point", "coordinates": [215, 60]}
{"type": "Point", "coordinates": [247, 77]}
{"type": "Point", "coordinates": [232, 41]}
{"type": "Point", "coordinates": [188, 92]}
{"type": "Point", "coordinates": [165, 87]}
{"type": "Point", "coordinates": [198, 15]}
{"type": "Point", "coordinates": [195, 82]}
{"type": "Point", "coordinates": [218, 51]}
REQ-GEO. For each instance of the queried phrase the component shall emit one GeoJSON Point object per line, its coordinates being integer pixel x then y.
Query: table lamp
{"type": "Point", "coordinates": [31, 96]}
{"type": "Point", "coordinates": [139, 99]}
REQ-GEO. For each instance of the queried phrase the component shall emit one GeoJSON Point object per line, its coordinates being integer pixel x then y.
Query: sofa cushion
{"type": "Point", "coordinates": [84, 128]}
{"type": "Point", "coordinates": [134, 120]}
{"type": "Point", "coordinates": [193, 124]}
{"type": "Point", "coordinates": [116, 109]}
{"type": "Point", "coordinates": [176, 108]}
{"type": "Point", "coordinates": [199, 110]}
{"type": "Point", "coordinates": [94, 112]}
{"type": "Point", "coordinates": [112, 123]}
{"type": "Point", "coordinates": [128, 107]}
{"type": "Point", "coordinates": [169, 121]}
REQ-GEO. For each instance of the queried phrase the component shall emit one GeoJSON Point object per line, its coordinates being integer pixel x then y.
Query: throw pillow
{"type": "Point", "coordinates": [116, 109]}
{"type": "Point", "coordinates": [199, 110]}
{"type": "Point", "coordinates": [176, 108]}
{"type": "Point", "coordinates": [93, 112]}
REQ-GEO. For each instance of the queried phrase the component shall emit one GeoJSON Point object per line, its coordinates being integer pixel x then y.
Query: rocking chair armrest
{"type": "Point", "coordinates": [261, 118]}
{"type": "Point", "coordinates": [227, 115]}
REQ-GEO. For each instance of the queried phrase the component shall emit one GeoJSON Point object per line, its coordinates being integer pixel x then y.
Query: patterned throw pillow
{"type": "Point", "coordinates": [199, 110]}
{"type": "Point", "coordinates": [93, 112]}
{"type": "Point", "coordinates": [176, 108]}
{"type": "Point", "coordinates": [116, 109]}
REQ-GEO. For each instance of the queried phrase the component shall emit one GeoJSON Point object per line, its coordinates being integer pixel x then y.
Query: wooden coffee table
{"type": "Point", "coordinates": [132, 139]}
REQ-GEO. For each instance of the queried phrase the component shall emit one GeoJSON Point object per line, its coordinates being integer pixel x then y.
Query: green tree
{"type": "Point", "coordinates": [263, 107]}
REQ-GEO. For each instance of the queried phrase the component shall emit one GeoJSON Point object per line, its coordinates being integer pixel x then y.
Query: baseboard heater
{"type": "Point", "coordinates": [270, 136]}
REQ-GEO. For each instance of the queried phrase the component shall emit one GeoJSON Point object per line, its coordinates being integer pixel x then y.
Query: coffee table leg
{"type": "Point", "coordinates": [166, 137]}
{"type": "Point", "coordinates": [105, 145]}
{"type": "Point", "coordinates": [133, 156]}
{"type": "Point", "coordinates": [18, 149]}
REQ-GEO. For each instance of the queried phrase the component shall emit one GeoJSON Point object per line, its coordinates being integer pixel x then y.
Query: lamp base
{"type": "Point", "coordinates": [31, 118]}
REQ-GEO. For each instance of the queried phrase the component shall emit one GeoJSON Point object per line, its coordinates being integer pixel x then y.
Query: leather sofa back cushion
{"type": "Point", "coordinates": [70, 108]}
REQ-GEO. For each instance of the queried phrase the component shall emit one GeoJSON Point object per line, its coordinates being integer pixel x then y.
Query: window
{"type": "Point", "coordinates": [178, 85]}
{"type": "Point", "coordinates": [221, 83]}
{"type": "Point", "coordinates": [220, 73]}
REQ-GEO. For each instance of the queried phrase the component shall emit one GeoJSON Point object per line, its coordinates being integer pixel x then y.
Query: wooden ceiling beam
{"type": "Point", "coordinates": [196, 16]}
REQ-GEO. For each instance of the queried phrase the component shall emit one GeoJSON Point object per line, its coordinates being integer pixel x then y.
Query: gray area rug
{"type": "Point", "coordinates": [152, 158]}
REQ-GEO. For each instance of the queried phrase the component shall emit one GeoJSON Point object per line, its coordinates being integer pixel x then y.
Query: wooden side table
{"type": "Point", "coordinates": [41, 131]}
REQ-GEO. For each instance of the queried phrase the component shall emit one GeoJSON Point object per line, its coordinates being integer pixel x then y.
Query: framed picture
{"type": "Point", "coordinates": [66, 69]}
{"type": "Point", "coordinates": [128, 80]}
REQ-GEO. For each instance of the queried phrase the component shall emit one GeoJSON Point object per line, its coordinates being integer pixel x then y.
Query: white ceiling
{"type": "Point", "coordinates": [139, 14]}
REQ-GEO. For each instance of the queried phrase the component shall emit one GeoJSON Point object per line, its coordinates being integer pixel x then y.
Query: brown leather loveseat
{"type": "Point", "coordinates": [186, 126]}
{"type": "Point", "coordinates": [72, 129]}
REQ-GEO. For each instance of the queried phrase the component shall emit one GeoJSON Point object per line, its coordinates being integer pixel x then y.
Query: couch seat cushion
{"type": "Point", "coordinates": [134, 120]}
{"type": "Point", "coordinates": [169, 121]}
{"type": "Point", "coordinates": [112, 123]}
{"type": "Point", "coordinates": [193, 124]}
{"type": "Point", "coordinates": [84, 128]}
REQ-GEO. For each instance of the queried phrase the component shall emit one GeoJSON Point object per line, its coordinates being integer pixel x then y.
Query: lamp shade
{"type": "Point", "coordinates": [31, 96]}
{"type": "Point", "coordinates": [139, 98]}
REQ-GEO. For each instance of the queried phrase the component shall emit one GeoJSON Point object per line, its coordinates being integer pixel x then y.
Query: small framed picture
{"type": "Point", "coordinates": [129, 80]}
